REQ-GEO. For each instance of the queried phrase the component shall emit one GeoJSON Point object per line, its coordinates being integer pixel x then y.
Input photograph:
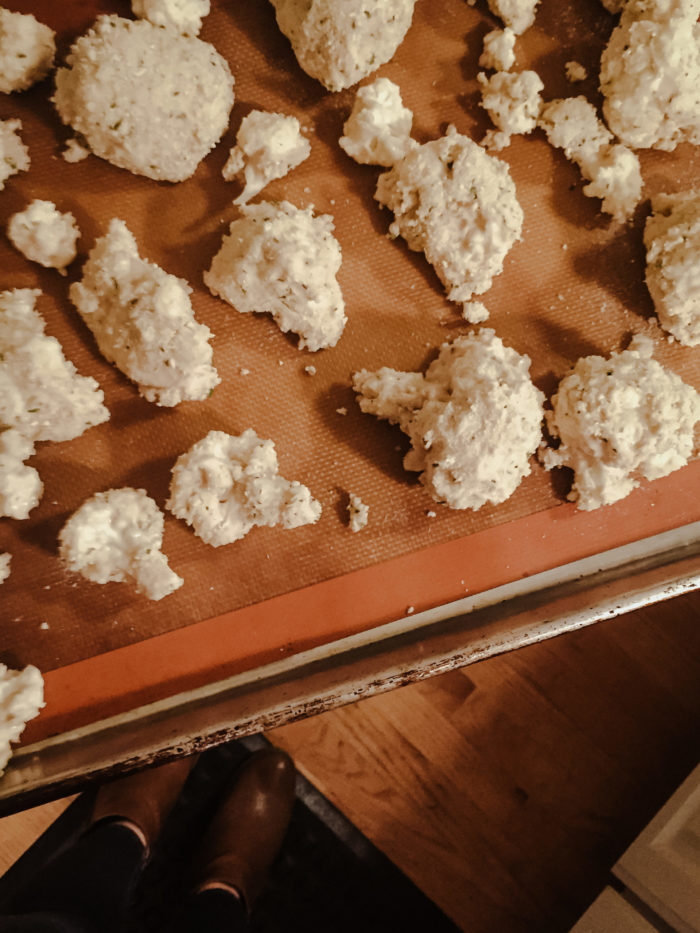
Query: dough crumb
{"type": "Point", "coordinates": [519, 15]}
{"type": "Point", "coordinates": [575, 72]}
{"type": "Point", "coordinates": [475, 312]}
{"type": "Point", "coordinates": [74, 151]}
{"type": "Point", "coordinates": [358, 513]}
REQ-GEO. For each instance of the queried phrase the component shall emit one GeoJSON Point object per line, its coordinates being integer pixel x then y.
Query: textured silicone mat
{"type": "Point", "coordinates": [573, 286]}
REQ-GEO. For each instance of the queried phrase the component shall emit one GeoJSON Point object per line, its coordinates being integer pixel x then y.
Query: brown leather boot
{"type": "Point", "coordinates": [143, 800]}
{"type": "Point", "coordinates": [247, 830]}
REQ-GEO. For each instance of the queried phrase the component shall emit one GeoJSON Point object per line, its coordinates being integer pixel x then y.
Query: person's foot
{"type": "Point", "coordinates": [142, 801]}
{"type": "Point", "coordinates": [247, 830]}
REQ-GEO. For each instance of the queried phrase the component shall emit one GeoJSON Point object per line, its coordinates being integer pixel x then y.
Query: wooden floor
{"type": "Point", "coordinates": [506, 790]}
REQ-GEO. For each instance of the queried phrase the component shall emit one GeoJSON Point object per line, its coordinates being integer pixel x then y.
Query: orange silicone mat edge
{"type": "Point", "coordinates": [120, 680]}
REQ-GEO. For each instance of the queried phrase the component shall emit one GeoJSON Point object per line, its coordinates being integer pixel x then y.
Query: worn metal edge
{"type": "Point", "coordinates": [404, 651]}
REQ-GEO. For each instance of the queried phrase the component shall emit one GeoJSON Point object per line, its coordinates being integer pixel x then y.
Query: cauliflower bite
{"type": "Point", "coordinates": [184, 16]}
{"type": "Point", "coordinates": [145, 98]}
{"type": "Point", "coordinates": [27, 51]}
{"type": "Point", "coordinates": [339, 42]}
{"type": "Point", "coordinates": [41, 392]}
{"type": "Point", "coordinates": [650, 74]}
{"type": "Point", "coordinates": [143, 321]}
{"type": "Point", "coordinates": [44, 235]}
{"type": "Point", "coordinates": [268, 145]}
{"type": "Point", "coordinates": [498, 53]}
{"type": "Point", "coordinates": [14, 155]}
{"type": "Point", "coordinates": [20, 486]}
{"type": "Point", "coordinates": [224, 485]}
{"type": "Point", "coordinates": [474, 418]}
{"type": "Point", "coordinates": [519, 15]}
{"type": "Point", "coordinates": [281, 259]}
{"type": "Point", "coordinates": [619, 419]}
{"type": "Point", "coordinates": [378, 130]}
{"type": "Point", "coordinates": [458, 205]}
{"type": "Point", "coordinates": [612, 169]}
{"type": "Point", "coordinates": [21, 698]}
{"type": "Point", "coordinates": [672, 240]}
{"type": "Point", "coordinates": [116, 536]}
{"type": "Point", "coordinates": [4, 567]}
{"type": "Point", "coordinates": [513, 100]}
{"type": "Point", "coordinates": [358, 513]}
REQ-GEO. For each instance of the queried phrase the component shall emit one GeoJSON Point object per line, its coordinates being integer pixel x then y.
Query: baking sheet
{"type": "Point", "coordinates": [573, 286]}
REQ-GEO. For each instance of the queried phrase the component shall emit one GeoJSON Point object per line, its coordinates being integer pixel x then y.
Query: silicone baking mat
{"type": "Point", "coordinates": [572, 286]}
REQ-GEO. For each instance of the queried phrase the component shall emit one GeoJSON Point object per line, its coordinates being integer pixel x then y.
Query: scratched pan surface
{"type": "Point", "coordinates": [573, 286]}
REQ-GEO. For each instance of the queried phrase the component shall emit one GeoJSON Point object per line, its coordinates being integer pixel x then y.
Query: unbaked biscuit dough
{"type": "Point", "coordinates": [339, 42]}
{"type": "Point", "coordinates": [281, 259]}
{"type": "Point", "coordinates": [145, 98]}
{"type": "Point", "coordinates": [618, 420]}
{"type": "Point", "coordinates": [226, 484]}
{"type": "Point", "coordinates": [474, 418]}
{"type": "Point", "coordinates": [650, 74]}
{"type": "Point", "coordinates": [672, 240]}
{"type": "Point", "coordinates": [458, 205]}
{"type": "Point", "coordinates": [116, 537]}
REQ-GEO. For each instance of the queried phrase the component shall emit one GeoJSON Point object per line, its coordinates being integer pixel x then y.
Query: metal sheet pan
{"type": "Point", "coordinates": [400, 652]}
{"type": "Point", "coordinates": [282, 624]}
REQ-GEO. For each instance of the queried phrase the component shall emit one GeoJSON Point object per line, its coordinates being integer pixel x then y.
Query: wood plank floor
{"type": "Point", "coordinates": [507, 790]}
